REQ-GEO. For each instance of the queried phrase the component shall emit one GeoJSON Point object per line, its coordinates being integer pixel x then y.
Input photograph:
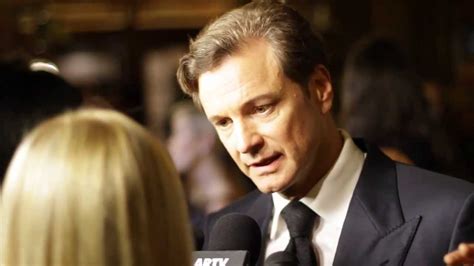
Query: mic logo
{"type": "Point", "coordinates": [221, 258]}
{"type": "Point", "coordinates": [234, 241]}
{"type": "Point", "coordinates": [211, 262]}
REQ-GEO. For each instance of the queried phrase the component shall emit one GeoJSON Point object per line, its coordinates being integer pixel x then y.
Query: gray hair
{"type": "Point", "coordinates": [296, 46]}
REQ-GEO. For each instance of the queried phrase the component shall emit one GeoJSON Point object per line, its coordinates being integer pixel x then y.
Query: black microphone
{"type": "Point", "coordinates": [234, 240]}
{"type": "Point", "coordinates": [281, 258]}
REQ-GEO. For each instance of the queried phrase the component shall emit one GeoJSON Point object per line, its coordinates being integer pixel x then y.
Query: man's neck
{"type": "Point", "coordinates": [326, 157]}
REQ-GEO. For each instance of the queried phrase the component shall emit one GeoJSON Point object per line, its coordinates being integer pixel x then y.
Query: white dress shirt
{"type": "Point", "coordinates": [329, 199]}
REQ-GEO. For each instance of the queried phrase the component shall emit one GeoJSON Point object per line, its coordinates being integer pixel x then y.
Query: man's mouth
{"type": "Point", "coordinates": [266, 161]}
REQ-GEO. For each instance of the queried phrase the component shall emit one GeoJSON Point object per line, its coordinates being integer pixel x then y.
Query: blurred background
{"type": "Point", "coordinates": [123, 53]}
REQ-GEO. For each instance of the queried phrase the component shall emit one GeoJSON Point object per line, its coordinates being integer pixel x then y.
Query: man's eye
{"type": "Point", "coordinates": [223, 122]}
{"type": "Point", "coordinates": [262, 109]}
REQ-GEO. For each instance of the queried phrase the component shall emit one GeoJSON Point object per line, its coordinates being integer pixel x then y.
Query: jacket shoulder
{"type": "Point", "coordinates": [432, 183]}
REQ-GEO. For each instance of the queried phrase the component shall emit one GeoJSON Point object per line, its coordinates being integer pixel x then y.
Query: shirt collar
{"type": "Point", "coordinates": [331, 196]}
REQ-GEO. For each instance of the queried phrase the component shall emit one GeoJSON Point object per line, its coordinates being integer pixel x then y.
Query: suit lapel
{"type": "Point", "coordinates": [375, 231]}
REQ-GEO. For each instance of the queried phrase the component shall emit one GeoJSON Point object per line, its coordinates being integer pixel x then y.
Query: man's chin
{"type": "Point", "coordinates": [266, 190]}
{"type": "Point", "coordinates": [270, 188]}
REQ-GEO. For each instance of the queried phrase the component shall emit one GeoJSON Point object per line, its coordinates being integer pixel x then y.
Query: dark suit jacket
{"type": "Point", "coordinates": [398, 215]}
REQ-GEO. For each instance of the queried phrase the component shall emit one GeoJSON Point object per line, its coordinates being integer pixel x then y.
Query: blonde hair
{"type": "Point", "coordinates": [92, 187]}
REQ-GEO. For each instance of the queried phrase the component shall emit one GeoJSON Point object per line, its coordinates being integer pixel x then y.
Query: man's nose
{"type": "Point", "coordinates": [247, 139]}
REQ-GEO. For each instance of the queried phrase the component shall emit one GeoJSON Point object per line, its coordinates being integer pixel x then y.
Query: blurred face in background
{"type": "Point", "coordinates": [182, 144]}
{"type": "Point", "coordinates": [192, 137]}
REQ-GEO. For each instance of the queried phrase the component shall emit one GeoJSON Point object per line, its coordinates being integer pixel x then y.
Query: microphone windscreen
{"type": "Point", "coordinates": [281, 258]}
{"type": "Point", "coordinates": [236, 232]}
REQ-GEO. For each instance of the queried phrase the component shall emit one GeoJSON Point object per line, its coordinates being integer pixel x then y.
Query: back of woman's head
{"type": "Point", "coordinates": [92, 187]}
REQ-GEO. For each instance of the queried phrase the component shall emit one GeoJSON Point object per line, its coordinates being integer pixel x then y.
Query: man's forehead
{"type": "Point", "coordinates": [227, 68]}
{"type": "Point", "coordinates": [218, 83]}
{"type": "Point", "coordinates": [240, 77]}
{"type": "Point", "coordinates": [256, 63]}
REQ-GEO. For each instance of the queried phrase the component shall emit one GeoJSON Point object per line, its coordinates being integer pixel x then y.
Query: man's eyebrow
{"type": "Point", "coordinates": [215, 118]}
{"type": "Point", "coordinates": [262, 97]}
{"type": "Point", "coordinates": [249, 103]}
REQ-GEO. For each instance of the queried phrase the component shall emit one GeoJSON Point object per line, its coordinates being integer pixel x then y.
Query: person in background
{"type": "Point", "coordinates": [200, 159]}
{"type": "Point", "coordinates": [27, 98]}
{"type": "Point", "coordinates": [93, 187]}
{"type": "Point", "coordinates": [382, 101]}
{"type": "Point", "coordinates": [96, 74]}
{"type": "Point", "coordinates": [259, 73]}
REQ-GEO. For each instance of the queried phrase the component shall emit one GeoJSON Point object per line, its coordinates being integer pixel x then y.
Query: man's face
{"type": "Point", "coordinates": [268, 125]}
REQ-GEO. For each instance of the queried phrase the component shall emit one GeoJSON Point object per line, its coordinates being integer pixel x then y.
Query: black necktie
{"type": "Point", "coordinates": [300, 221]}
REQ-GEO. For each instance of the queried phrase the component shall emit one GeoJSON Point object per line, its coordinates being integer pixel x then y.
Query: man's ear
{"type": "Point", "coordinates": [320, 88]}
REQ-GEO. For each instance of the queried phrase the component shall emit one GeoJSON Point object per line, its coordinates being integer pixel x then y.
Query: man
{"type": "Point", "coordinates": [259, 74]}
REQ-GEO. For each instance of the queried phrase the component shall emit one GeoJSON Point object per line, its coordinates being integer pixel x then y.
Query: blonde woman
{"type": "Point", "coordinates": [92, 187]}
